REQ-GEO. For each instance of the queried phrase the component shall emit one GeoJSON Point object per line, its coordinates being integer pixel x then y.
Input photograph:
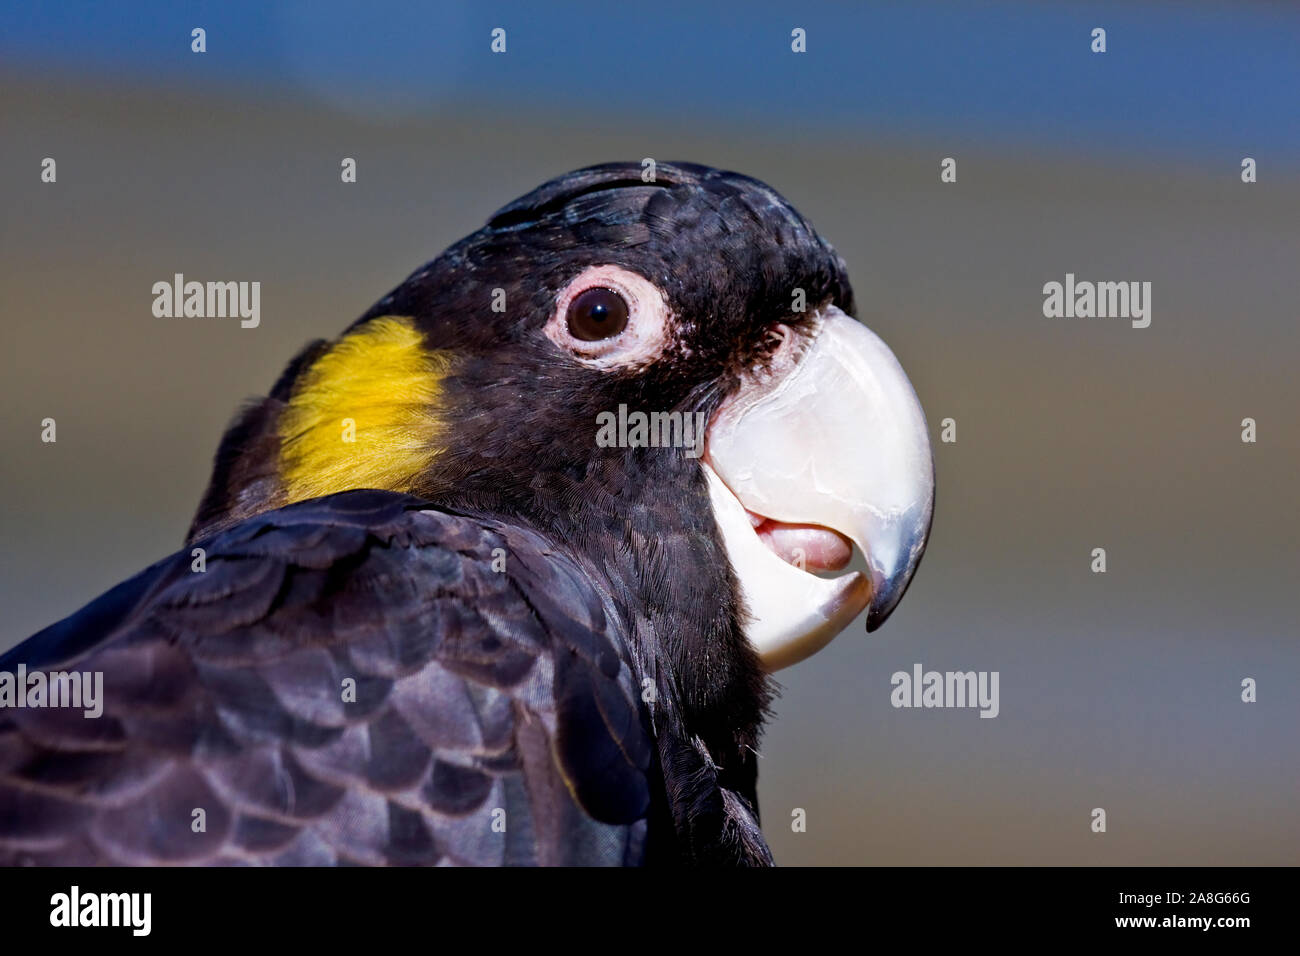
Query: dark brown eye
{"type": "Point", "coordinates": [597, 314]}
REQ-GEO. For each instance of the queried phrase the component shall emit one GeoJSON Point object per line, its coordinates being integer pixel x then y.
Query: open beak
{"type": "Point", "coordinates": [828, 444]}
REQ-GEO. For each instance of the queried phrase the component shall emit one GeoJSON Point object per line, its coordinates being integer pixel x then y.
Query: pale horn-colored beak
{"type": "Point", "coordinates": [832, 436]}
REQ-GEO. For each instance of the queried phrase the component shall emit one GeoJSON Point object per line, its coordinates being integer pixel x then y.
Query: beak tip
{"type": "Point", "coordinates": [883, 604]}
{"type": "Point", "coordinates": [891, 582]}
{"type": "Point", "coordinates": [884, 601]}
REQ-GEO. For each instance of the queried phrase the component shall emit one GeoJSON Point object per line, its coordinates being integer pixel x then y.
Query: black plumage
{"type": "Point", "coordinates": [599, 691]}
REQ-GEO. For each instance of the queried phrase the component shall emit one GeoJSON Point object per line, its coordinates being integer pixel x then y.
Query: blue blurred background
{"type": "Point", "coordinates": [1176, 77]}
{"type": "Point", "coordinates": [1119, 690]}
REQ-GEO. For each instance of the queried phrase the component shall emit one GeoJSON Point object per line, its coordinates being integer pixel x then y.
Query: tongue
{"type": "Point", "coordinates": [811, 547]}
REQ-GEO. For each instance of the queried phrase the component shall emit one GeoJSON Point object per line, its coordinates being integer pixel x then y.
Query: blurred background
{"type": "Point", "coordinates": [1118, 690]}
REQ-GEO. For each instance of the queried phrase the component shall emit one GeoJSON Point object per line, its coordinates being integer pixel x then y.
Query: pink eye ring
{"type": "Point", "coordinates": [610, 317]}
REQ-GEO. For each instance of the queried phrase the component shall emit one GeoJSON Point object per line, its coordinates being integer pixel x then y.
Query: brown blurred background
{"type": "Point", "coordinates": [1118, 690]}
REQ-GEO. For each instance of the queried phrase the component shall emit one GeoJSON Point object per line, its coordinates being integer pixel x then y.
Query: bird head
{"type": "Point", "coordinates": [627, 364]}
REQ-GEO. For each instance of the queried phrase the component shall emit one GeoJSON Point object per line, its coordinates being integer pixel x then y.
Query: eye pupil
{"type": "Point", "coordinates": [597, 314]}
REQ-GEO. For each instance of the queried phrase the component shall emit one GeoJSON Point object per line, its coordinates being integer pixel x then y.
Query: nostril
{"type": "Point", "coordinates": [776, 342]}
{"type": "Point", "coordinates": [776, 337]}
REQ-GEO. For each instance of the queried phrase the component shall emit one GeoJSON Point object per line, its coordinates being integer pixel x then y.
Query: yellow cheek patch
{"type": "Point", "coordinates": [364, 415]}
